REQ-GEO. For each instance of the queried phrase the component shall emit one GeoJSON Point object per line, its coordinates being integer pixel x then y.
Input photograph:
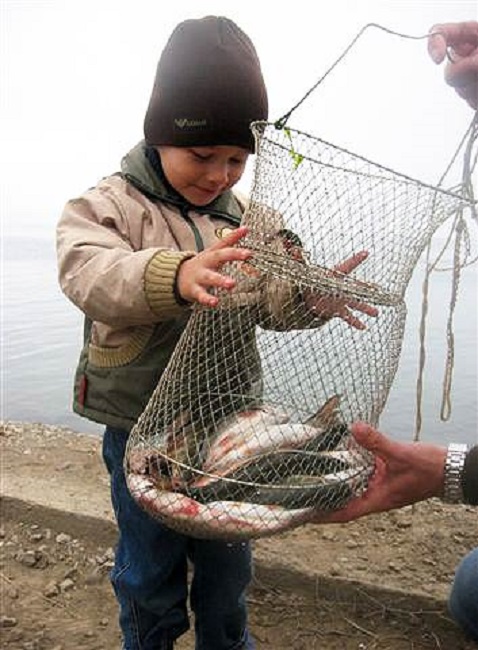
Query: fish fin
{"type": "Point", "coordinates": [327, 416]}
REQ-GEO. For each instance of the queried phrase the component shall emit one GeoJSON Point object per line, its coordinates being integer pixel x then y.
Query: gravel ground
{"type": "Point", "coordinates": [379, 583]}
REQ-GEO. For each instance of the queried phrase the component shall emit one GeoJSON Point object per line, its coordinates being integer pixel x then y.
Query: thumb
{"type": "Point", "coordinates": [371, 439]}
{"type": "Point", "coordinates": [436, 44]}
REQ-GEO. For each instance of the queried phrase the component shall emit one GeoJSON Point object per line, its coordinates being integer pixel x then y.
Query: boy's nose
{"type": "Point", "coordinates": [218, 175]}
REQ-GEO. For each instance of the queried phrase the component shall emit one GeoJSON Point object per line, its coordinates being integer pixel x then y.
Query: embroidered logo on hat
{"type": "Point", "coordinates": [185, 124]}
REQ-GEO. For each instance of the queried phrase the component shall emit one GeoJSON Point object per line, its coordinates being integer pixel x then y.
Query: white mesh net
{"type": "Point", "coordinates": [247, 432]}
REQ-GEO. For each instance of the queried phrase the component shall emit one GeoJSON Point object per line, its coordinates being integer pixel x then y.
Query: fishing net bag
{"type": "Point", "coordinates": [246, 434]}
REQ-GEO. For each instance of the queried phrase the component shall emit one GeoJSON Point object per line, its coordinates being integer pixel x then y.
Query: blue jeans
{"type": "Point", "coordinates": [463, 602]}
{"type": "Point", "coordinates": [150, 575]}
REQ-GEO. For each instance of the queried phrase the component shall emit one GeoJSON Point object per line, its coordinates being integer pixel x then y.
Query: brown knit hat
{"type": "Point", "coordinates": [208, 87]}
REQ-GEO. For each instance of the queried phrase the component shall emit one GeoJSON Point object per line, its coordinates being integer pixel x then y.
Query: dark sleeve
{"type": "Point", "coordinates": [469, 480]}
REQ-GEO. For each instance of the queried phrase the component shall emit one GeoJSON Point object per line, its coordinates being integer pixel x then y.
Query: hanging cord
{"type": "Point", "coordinates": [282, 121]}
{"type": "Point", "coordinates": [460, 231]}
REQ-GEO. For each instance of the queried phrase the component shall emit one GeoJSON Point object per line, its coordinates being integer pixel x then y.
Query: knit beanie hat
{"type": "Point", "coordinates": [208, 87]}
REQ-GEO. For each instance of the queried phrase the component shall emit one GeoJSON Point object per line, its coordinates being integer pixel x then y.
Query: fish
{"type": "Point", "coordinates": [261, 473]}
{"type": "Point", "coordinates": [253, 442]}
{"type": "Point", "coordinates": [240, 431]}
{"type": "Point", "coordinates": [148, 462]}
{"type": "Point", "coordinates": [253, 432]}
{"type": "Point", "coordinates": [333, 430]}
{"type": "Point", "coordinates": [289, 478]}
{"type": "Point", "coordinates": [217, 520]}
{"type": "Point", "coordinates": [326, 493]}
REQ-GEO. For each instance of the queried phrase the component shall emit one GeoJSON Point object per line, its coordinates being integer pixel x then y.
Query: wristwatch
{"type": "Point", "coordinates": [454, 464]}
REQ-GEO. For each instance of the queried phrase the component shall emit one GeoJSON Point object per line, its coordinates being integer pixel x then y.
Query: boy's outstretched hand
{"type": "Point", "coordinates": [198, 274]}
{"type": "Point", "coordinates": [329, 307]}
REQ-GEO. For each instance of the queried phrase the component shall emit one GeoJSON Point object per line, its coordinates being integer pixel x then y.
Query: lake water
{"type": "Point", "coordinates": [42, 334]}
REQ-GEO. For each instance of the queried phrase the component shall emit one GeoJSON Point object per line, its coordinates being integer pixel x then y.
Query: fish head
{"type": "Point", "coordinates": [328, 414]}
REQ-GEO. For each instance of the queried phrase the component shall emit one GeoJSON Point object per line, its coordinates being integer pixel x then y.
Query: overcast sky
{"type": "Point", "coordinates": [76, 77]}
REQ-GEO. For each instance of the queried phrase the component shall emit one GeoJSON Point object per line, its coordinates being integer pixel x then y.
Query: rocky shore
{"type": "Point", "coordinates": [381, 582]}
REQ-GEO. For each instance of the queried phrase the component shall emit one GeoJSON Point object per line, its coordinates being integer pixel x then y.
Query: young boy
{"type": "Point", "coordinates": [133, 253]}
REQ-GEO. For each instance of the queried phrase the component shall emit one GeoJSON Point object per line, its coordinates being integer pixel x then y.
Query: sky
{"type": "Point", "coordinates": [76, 76]}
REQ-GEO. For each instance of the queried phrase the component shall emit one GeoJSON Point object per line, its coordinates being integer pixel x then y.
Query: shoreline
{"type": "Point", "coordinates": [47, 466]}
{"type": "Point", "coordinates": [385, 577]}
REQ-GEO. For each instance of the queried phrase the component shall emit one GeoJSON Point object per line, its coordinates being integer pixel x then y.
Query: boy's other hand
{"type": "Point", "coordinates": [327, 307]}
{"type": "Point", "coordinates": [199, 274]}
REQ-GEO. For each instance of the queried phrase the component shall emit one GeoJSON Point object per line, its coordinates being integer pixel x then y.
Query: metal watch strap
{"type": "Point", "coordinates": [454, 464]}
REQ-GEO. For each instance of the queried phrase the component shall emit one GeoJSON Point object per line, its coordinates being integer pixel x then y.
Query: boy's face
{"type": "Point", "coordinates": [201, 174]}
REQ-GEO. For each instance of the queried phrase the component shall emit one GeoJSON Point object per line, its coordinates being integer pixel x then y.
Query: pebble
{"type": "Point", "coordinates": [7, 621]}
{"type": "Point", "coordinates": [66, 585]}
{"type": "Point", "coordinates": [27, 558]}
{"type": "Point", "coordinates": [51, 589]}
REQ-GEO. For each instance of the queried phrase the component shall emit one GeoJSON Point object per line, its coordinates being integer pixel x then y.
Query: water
{"type": "Point", "coordinates": [42, 334]}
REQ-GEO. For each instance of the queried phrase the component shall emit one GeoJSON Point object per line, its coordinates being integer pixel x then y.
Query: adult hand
{"type": "Point", "coordinates": [326, 307]}
{"type": "Point", "coordinates": [198, 274]}
{"type": "Point", "coordinates": [460, 42]}
{"type": "Point", "coordinates": [404, 474]}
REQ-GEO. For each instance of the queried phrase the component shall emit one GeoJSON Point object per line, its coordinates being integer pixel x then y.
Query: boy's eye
{"type": "Point", "coordinates": [200, 156]}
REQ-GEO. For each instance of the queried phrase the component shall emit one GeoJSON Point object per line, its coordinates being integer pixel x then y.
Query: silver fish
{"type": "Point", "coordinates": [261, 474]}
{"type": "Point", "coordinates": [241, 431]}
{"type": "Point", "coordinates": [266, 478]}
{"type": "Point", "coordinates": [219, 519]}
{"type": "Point", "coordinates": [254, 441]}
{"type": "Point", "coordinates": [257, 431]}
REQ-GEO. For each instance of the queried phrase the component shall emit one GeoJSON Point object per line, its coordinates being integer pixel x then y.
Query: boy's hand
{"type": "Point", "coordinates": [198, 274]}
{"type": "Point", "coordinates": [329, 307]}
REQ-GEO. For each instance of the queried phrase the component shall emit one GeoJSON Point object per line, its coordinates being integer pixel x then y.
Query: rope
{"type": "Point", "coordinates": [459, 230]}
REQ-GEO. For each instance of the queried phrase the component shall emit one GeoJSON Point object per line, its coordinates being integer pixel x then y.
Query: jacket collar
{"type": "Point", "coordinates": [142, 168]}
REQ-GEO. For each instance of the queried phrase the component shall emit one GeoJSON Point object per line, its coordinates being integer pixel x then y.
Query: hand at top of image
{"type": "Point", "coordinates": [459, 43]}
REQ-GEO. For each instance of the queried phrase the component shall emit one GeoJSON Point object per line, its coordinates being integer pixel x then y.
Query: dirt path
{"type": "Point", "coordinates": [380, 583]}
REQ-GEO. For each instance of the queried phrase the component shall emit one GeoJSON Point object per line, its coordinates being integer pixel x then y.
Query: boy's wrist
{"type": "Point", "coordinates": [159, 283]}
{"type": "Point", "coordinates": [179, 298]}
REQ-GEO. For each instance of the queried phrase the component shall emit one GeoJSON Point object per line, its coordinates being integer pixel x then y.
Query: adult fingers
{"type": "Point", "coordinates": [469, 93]}
{"type": "Point", "coordinates": [436, 44]}
{"type": "Point", "coordinates": [372, 440]}
{"type": "Point", "coordinates": [463, 37]}
{"type": "Point", "coordinates": [462, 72]}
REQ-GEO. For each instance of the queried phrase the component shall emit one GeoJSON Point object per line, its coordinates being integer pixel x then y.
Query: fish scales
{"type": "Point", "coordinates": [226, 520]}
{"type": "Point", "coordinates": [260, 474]}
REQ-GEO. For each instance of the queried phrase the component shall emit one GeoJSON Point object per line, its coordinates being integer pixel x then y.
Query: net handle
{"type": "Point", "coordinates": [282, 121]}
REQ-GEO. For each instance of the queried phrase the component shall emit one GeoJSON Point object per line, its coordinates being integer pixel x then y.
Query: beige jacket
{"type": "Point", "coordinates": [119, 248]}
